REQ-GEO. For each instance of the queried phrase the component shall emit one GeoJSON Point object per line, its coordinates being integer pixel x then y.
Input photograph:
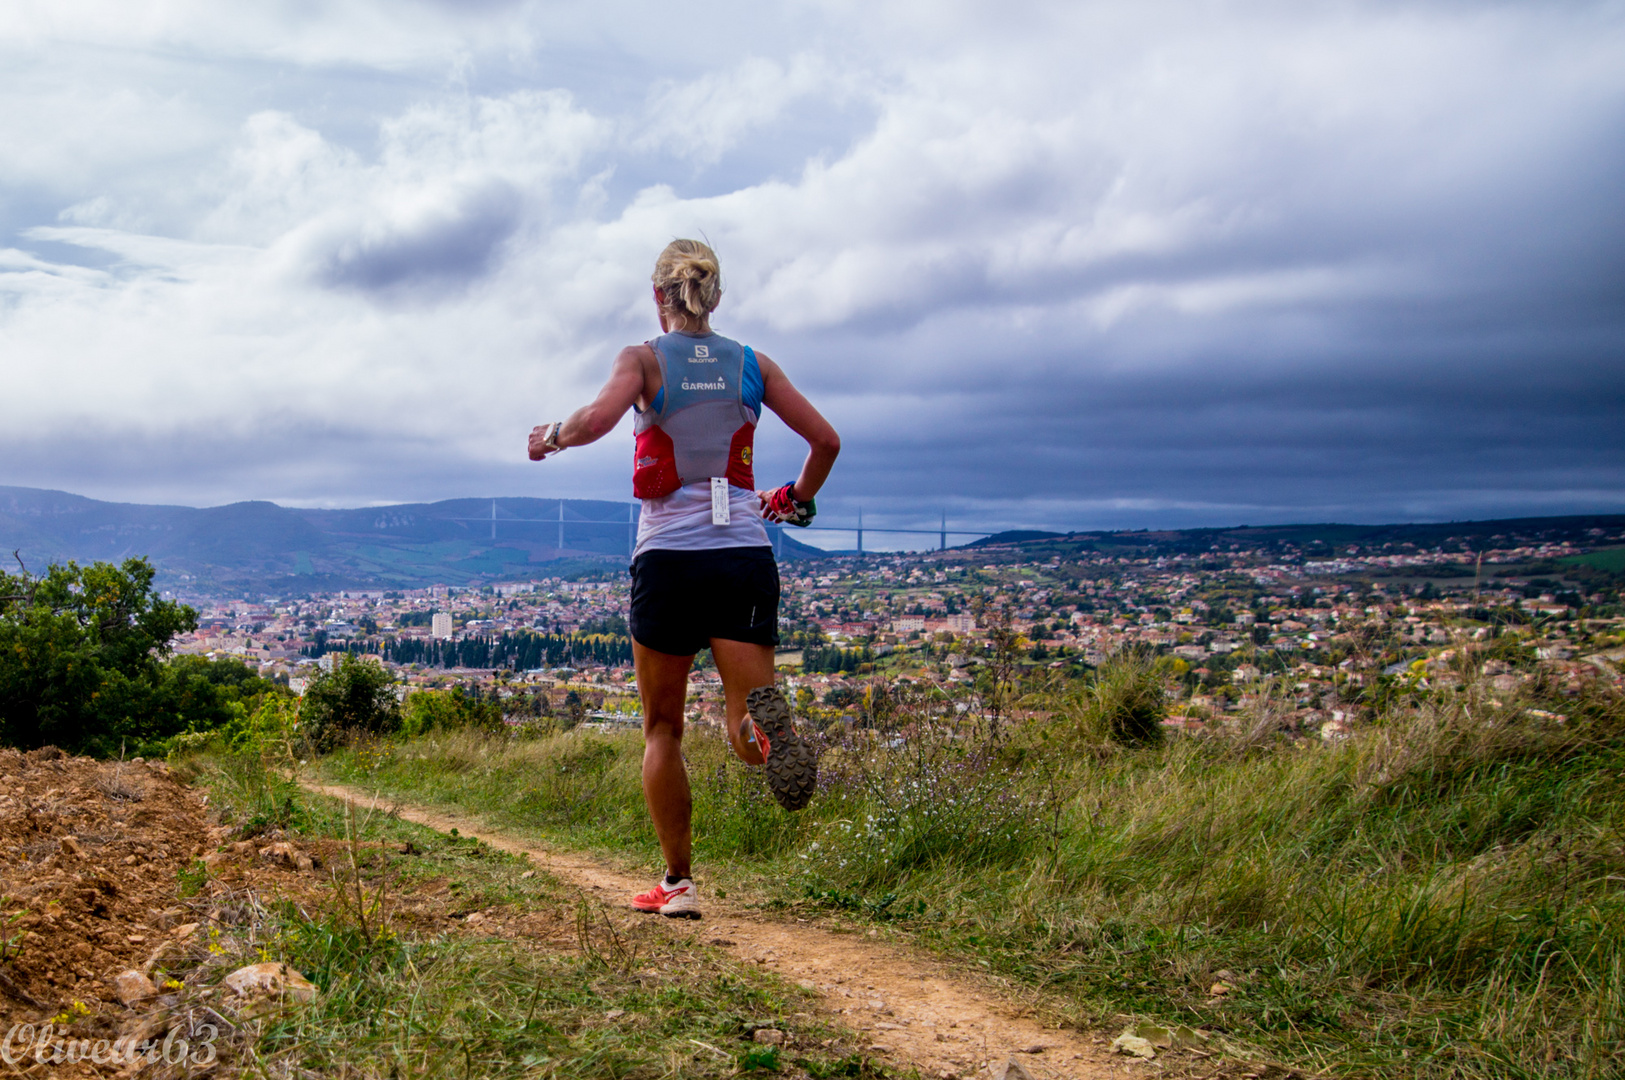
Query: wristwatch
{"type": "Point", "coordinates": [550, 438]}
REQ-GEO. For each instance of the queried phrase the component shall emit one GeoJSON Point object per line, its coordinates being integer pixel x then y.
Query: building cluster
{"type": "Point", "coordinates": [1221, 625]}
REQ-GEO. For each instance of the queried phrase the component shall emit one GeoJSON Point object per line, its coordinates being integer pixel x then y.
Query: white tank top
{"type": "Point", "coordinates": [681, 521]}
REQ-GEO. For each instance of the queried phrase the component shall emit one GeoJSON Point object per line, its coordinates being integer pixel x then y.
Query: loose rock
{"type": "Point", "coordinates": [1156, 1037]}
{"type": "Point", "coordinates": [131, 986]}
{"type": "Point", "coordinates": [285, 854]}
{"type": "Point", "coordinates": [1134, 1046]}
{"type": "Point", "coordinates": [272, 980]}
{"type": "Point", "coordinates": [1009, 1069]}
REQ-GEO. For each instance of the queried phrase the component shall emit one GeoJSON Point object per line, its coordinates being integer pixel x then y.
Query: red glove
{"type": "Point", "coordinates": [782, 506]}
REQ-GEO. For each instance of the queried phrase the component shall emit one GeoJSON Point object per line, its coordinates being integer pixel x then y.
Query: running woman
{"type": "Point", "coordinates": [703, 572]}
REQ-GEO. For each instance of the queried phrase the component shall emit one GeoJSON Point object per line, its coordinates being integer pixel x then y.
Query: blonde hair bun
{"type": "Point", "coordinates": [688, 275]}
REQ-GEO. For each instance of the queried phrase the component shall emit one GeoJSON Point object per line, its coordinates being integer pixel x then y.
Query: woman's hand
{"type": "Point", "coordinates": [781, 505]}
{"type": "Point", "coordinates": [800, 417]}
{"type": "Point", "coordinates": [544, 440]}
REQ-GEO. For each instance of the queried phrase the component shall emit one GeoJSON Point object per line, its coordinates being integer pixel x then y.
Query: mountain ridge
{"type": "Point", "coordinates": [262, 546]}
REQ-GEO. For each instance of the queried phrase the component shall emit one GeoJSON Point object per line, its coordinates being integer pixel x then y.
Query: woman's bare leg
{"type": "Point", "coordinates": [743, 668]}
{"type": "Point", "coordinates": [663, 686]}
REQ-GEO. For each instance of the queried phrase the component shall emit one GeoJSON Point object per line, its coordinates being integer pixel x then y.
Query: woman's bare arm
{"type": "Point", "coordinates": [593, 421]}
{"type": "Point", "coordinates": [798, 414]}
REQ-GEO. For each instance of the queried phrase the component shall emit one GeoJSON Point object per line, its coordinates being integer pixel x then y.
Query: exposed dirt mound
{"type": "Point", "coordinates": [89, 855]}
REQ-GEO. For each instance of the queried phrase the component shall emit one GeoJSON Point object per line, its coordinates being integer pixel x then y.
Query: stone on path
{"type": "Point", "coordinates": [1009, 1069]}
{"type": "Point", "coordinates": [132, 986]}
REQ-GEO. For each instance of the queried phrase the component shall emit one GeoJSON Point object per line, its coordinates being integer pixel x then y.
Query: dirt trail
{"type": "Point", "coordinates": [912, 1011]}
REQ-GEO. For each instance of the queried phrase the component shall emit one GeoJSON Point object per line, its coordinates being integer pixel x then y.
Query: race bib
{"type": "Point", "coordinates": [719, 500]}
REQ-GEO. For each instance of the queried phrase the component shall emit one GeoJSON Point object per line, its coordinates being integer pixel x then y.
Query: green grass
{"type": "Point", "coordinates": [615, 999]}
{"type": "Point", "coordinates": [1609, 559]}
{"type": "Point", "coordinates": [1440, 895]}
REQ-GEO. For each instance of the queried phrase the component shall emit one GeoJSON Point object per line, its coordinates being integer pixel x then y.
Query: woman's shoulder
{"type": "Point", "coordinates": [642, 354]}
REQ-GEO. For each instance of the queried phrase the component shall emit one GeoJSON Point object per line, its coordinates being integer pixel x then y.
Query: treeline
{"type": "Point", "coordinates": [834, 659]}
{"type": "Point", "coordinates": [523, 651]}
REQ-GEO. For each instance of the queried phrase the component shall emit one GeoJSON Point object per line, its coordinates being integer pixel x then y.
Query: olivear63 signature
{"type": "Point", "coordinates": [46, 1044]}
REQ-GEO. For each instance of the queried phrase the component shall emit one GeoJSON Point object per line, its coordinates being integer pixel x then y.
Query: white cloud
{"type": "Point", "coordinates": [384, 35]}
{"type": "Point", "coordinates": [701, 119]}
{"type": "Point", "coordinates": [417, 228]}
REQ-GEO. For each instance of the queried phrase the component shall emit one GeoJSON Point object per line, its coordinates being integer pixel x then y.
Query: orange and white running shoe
{"type": "Point", "coordinates": [674, 901]}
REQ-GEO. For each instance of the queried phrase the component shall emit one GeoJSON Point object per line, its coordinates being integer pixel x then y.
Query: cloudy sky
{"type": "Point", "coordinates": [1069, 265]}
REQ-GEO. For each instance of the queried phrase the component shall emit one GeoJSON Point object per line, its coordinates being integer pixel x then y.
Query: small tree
{"type": "Point", "coordinates": [80, 652]}
{"type": "Point", "coordinates": [575, 711]}
{"type": "Point", "coordinates": [997, 683]}
{"type": "Point", "coordinates": [357, 695]}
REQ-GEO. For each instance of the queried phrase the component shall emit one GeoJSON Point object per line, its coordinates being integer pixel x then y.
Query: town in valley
{"type": "Point", "coordinates": [1321, 627]}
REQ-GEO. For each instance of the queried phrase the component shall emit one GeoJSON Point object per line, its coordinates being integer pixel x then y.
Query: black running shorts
{"type": "Point", "coordinates": [683, 599]}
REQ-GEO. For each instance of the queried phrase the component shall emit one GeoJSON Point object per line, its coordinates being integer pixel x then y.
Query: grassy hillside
{"type": "Point", "coordinates": [1611, 560]}
{"type": "Point", "coordinates": [1438, 895]}
{"type": "Point", "coordinates": [438, 956]}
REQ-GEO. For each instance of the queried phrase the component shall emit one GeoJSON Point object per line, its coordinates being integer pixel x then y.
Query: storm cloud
{"type": "Point", "coordinates": [1055, 265]}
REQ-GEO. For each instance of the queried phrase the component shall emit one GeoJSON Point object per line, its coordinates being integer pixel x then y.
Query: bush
{"type": "Point", "coordinates": [1124, 703]}
{"type": "Point", "coordinates": [270, 730]}
{"type": "Point", "coordinates": [200, 694]}
{"type": "Point", "coordinates": [447, 710]}
{"type": "Point", "coordinates": [357, 695]}
{"type": "Point", "coordinates": [81, 652]}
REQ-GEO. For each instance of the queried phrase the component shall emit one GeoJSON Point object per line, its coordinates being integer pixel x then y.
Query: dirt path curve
{"type": "Point", "coordinates": [913, 1012]}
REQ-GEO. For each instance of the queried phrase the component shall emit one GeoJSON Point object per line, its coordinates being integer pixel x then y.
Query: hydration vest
{"type": "Point", "coordinates": [699, 425]}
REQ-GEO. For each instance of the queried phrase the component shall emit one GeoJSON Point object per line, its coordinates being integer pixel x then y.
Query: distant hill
{"type": "Point", "coordinates": [263, 547]}
{"type": "Point", "coordinates": [1314, 541]}
{"type": "Point", "coordinates": [260, 547]}
{"type": "Point", "coordinates": [1017, 536]}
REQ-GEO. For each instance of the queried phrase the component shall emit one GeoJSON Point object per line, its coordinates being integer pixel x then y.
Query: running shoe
{"type": "Point", "coordinates": [673, 901]}
{"type": "Point", "coordinates": [791, 761]}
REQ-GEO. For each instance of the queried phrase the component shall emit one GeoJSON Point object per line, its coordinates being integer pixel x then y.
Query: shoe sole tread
{"type": "Point", "coordinates": [792, 763]}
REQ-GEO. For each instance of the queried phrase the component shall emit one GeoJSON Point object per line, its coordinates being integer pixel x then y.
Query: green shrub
{"type": "Point", "coordinates": [356, 696]}
{"type": "Point", "coordinates": [271, 729]}
{"type": "Point", "coordinates": [84, 665]}
{"type": "Point", "coordinates": [448, 710]}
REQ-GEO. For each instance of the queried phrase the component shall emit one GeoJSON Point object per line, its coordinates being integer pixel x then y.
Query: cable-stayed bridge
{"type": "Point", "coordinates": [565, 520]}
